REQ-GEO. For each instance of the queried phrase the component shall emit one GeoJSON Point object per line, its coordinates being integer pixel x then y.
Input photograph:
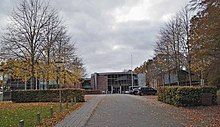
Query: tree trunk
{"type": "Point", "coordinates": [190, 75]}
{"type": "Point", "coordinates": [169, 78]}
{"type": "Point", "coordinates": [48, 64]}
{"type": "Point", "coordinates": [32, 72]}
{"type": "Point", "coordinates": [25, 83]}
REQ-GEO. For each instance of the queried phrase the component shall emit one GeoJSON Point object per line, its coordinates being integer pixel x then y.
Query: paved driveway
{"type": "Point", "coordinates": [130, 111]}
{"type": "Point", "coordinates": [139, 111]}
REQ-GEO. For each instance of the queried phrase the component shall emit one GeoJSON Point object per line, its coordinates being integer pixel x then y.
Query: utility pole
{"type": "Point", "coordinates": [132, 79]}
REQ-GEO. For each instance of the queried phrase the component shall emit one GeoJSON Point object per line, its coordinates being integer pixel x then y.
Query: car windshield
{"type": "Point", "coordinates": [133, 87]}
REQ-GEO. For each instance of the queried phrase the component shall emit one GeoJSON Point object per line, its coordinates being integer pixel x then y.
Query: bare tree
{"type": "Point", "coordinates": [52, 34]}
{"type": "Point", "coordinates": [64, 51]}
{"type": "Point", "coordinates": [185, 15]}
{"type": "Point", "coordinates": [162, 51]}
{"type": "Point", "coordinates": [36, 35]}
{"type": "Point", "coordinates": [26, 32]}
{"type": "Point", "coordinates": [170, 46]}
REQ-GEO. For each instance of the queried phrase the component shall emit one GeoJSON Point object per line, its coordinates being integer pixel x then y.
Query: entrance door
{"type": "Point", "coordinates": [116, 90]}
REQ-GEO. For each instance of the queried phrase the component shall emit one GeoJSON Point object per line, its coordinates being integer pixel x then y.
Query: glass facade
{"type": "Point", "coordinates": [119, 83]}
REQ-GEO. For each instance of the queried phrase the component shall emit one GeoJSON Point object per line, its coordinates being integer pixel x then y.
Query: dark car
{"type": "Point", "coordinates": [147, 91]}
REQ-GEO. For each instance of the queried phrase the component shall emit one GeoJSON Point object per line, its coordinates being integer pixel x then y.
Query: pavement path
{"type": "Point", "coordinates": [130, 111]}
{"type": "Point", "coordinates": [79, 117]}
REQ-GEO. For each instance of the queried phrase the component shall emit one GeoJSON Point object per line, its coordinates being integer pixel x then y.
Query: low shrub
{"type": "Point", "coordinates": [52, 95]}
{"type": "Point", "coordinates": [185, 96]}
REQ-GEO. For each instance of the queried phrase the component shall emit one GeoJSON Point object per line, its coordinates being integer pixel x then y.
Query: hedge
{"type": "Point", "coordinates": [51, 95]}
{"type": "Point", "coordinates": [185, 96]}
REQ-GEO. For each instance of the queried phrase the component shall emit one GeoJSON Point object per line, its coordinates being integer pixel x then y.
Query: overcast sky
{"type": "Point", "coordinates": [107, 32]}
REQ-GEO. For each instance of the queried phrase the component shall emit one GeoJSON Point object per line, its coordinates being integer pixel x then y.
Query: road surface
{"type": "Point", "coordinates": [138, 111]}
{"type": "Point", "coordinates": [130, 111]}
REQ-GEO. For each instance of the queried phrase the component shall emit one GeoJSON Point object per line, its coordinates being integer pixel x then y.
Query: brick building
{"type": "Point", "coordinates": [113, 82]}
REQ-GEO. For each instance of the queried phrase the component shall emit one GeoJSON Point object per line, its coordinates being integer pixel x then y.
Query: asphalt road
{"type": "Point", "coordinates": [130, 111]}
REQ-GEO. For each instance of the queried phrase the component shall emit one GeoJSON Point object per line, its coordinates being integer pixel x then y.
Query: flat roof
{"type": "Point", "coordinates": [113, 73]}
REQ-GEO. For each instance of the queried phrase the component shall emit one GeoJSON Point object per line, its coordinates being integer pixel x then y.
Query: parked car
{"type": "Point", "coordinates": [146, 91]}
{"type": "Point", "coordinates": [104, 92]}
{"type": "Point", "coordinates": [133, 89]}
{"type": "Point", "coordinates": [127, 92]}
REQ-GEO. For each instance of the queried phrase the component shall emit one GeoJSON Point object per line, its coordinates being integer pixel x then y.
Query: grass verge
{"type": "Point", "coordinates": [12, 113]}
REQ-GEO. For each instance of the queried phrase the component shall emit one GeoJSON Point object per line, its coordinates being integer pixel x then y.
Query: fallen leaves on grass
{"type": "Point", "coordinates": [58, 116]}
{"type": "Point", "coordinates": [11, 105]}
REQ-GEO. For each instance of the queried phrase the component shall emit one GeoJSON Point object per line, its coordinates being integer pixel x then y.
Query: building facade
{"type": "Point", "coordinates": [174, 78]}
{"type": "Point", "coordinates": [113, 82]}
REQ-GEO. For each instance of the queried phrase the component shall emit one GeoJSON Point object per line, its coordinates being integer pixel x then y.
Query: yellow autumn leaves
{"type": "Point", "coordinates": [21, 70]}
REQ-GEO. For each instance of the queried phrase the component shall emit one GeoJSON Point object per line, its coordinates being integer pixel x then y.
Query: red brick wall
{"type": "Point", "coordinates": [102, 83]}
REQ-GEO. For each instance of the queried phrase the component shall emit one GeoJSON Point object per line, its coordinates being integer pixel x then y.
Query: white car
{"type": "Point", "coordinates": [127, 92]}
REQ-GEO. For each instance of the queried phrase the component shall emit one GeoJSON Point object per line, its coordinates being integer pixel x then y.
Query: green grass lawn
{"type": "Point", "coordinates": [12, 113]}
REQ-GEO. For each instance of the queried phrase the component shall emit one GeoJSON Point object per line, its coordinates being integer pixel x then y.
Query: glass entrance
{"type": "Point", "coordinates": [116, 89]}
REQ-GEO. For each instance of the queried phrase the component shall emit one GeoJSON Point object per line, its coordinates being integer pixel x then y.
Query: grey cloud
{"type": "Point", "coordinates": [104, 44]}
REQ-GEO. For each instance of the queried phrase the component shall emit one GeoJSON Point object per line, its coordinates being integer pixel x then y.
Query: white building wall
{"type": "Point", "coordinates": [141, 79]}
